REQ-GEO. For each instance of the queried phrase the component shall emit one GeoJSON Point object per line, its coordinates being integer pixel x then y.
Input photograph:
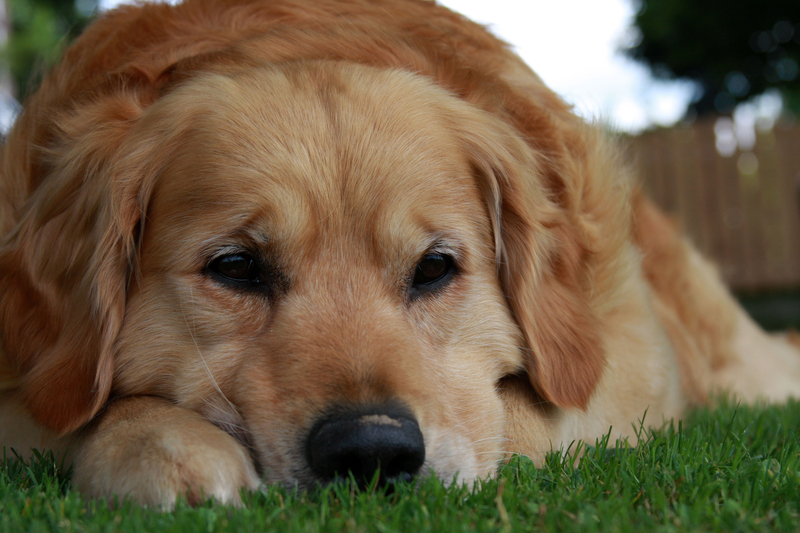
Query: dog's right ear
{"type": "Point", "coordinates": [70, 216]}
{"type": "Point", "coordinates": [65, 262]}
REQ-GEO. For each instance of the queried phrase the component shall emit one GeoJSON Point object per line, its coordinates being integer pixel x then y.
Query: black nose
{"type": "Point", "coordinates": [364, 441]}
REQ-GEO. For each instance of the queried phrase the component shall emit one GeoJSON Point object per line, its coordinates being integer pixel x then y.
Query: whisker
{"type": "Point", "coordinates": [491, 439]}
{"type": "Point", "coordinates": [200, 353]}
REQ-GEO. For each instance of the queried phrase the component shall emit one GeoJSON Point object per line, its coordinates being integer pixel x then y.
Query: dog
{"type": "Point", "coordinates": [290, 241]}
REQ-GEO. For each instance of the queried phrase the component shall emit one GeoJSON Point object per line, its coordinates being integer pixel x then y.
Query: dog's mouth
{"type": "Point", "coordinates": [371, 445]}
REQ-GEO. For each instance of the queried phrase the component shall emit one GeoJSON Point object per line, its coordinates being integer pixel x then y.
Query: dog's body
{"type": "Point", "coordinates": [264, 239]}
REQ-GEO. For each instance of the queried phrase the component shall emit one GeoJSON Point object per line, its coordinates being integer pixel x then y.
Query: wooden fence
{"type": "Point", "coordinates": [743, 211]}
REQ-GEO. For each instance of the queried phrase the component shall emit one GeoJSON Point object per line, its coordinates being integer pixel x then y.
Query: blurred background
{"type": "Point", "coordinates": [705, 93]}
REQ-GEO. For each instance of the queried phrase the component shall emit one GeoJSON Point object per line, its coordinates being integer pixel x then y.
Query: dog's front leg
{"type": "Point", "coordinates": [151, 451]}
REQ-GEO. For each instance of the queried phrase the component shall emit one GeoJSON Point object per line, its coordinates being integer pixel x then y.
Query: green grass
{"type": "Point", "coordinates": [732, 469]}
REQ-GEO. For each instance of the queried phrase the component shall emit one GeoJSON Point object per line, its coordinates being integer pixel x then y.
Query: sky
{"type": "Point", "coordinates": [573, 46]}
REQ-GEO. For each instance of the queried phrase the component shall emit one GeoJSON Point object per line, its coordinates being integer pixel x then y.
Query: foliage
{"type": "Point", "coordinates": [733, 49]}
{"type": "Point", "coordinates": [39, 30]}
{"type": "Point", "coordinates": [733, 469]}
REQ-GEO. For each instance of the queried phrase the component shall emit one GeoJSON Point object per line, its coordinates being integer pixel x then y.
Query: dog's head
{"type": "Point", "coordinates": [337, 263]}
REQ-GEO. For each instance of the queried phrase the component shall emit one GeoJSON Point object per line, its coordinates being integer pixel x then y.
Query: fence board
{"type": "Point", "coordinates": [742, 211]}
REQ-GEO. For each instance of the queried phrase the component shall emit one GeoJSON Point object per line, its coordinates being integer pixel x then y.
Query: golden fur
{"type": "Point", "coordinates": [341, 142]}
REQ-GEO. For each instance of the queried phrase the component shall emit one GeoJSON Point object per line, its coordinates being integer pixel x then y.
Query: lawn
{"type": "Point", "coordinates": [731, 469]}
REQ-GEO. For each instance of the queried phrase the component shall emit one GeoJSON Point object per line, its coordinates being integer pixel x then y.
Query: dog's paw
{"type": "Point", "coordinates": [152, 452]}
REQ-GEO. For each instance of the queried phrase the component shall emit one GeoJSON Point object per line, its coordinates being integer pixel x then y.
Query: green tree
{"type": "Point", "coordinates": [733, 49]}
{"type": "Point", "coordinates": [39, 30]}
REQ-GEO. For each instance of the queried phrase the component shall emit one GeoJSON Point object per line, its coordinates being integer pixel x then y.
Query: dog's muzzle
{"type": "Point", "coordinates": [363, 441]}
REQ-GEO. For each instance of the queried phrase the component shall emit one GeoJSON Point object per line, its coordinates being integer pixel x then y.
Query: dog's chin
{"type": "Point", "coordinates": [446, 464]}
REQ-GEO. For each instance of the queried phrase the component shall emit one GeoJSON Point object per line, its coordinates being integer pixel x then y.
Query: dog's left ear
{"type": "Point", "coordinates": [543, 259]}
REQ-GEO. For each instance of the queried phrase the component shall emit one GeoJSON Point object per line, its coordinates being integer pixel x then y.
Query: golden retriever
{"type": "Point", "coordinates": [282, 241]}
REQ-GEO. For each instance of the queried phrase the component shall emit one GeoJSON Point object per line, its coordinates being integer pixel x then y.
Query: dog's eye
{"type": "Point", "coordinates": [432, 272]}
{"type": "Point", "coordinates": [240, 268]}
